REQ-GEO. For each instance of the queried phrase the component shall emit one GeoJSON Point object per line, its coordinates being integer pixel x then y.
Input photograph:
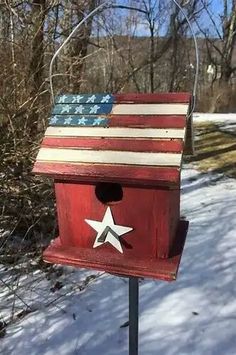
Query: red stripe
{"type": "Point", "coordinates": [147, 121]}
{"type": "Point", "coordinates": [137, 145]}
{"type": "Point", "coordinates": [109, 173]}
{"type": "Point", "coordinates": [172, 97]}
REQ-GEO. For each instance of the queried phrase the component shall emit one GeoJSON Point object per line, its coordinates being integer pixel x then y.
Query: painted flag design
{"type": "Point", "coordinates": [115, 136]}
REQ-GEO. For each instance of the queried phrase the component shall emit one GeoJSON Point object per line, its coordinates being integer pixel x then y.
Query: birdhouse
{"type": "Point", "coordinates": [116, 163]}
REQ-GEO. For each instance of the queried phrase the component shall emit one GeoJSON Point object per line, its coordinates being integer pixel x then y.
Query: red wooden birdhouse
{"type": "Point", "coordinates": [116, 163]}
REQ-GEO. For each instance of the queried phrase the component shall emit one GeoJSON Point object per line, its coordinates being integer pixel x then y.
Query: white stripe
{"type": "Point", "coordinates": [108, 157]}
{"type": "Point", "coordinates": [115, 132]}
{"type": "Point", "coordinates": [150, 109]}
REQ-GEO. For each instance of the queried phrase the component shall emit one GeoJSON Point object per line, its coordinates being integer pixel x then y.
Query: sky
{"type": "Point", "coordinates": [142, 27]}
{"type": "Point", "coordinates": [217, 5]}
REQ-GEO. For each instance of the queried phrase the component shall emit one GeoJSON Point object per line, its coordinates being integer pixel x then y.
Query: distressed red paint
{"type": "Point", "coordinates": [158, 98]}
{"type": "Point", "coordinates": [148, 121]}
{"type": "Point", "coordinates": [139, 145]}
{"type": "Point", "coordinates": [132, 175]}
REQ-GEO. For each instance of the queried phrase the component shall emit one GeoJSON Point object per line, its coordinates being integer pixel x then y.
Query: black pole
{"type": "Point", "coordinates": [133, 315]}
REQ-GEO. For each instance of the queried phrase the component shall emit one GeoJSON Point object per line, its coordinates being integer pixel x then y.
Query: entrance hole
{"type": "Point", "coordinates": [109, 193]}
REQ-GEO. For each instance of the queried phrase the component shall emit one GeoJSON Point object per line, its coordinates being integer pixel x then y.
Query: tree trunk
{"type": "Point", "coordinates": [229, 40]}
{"type": "Point", "coordinates": [79, 47]}
{"type": "Point", "coordinates": [4, 25]}
{"type": "Point", "coordinates": [37, 64]}
{"type": "Point", "coordinates": [37, 58]}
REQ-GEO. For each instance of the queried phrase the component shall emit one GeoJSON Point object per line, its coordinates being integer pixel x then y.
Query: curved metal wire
{"type": "Point", "coordinates": [196, 55]}
{"type": "Point", "coordinates": [101, 7]}
{"type": "Point", "coordinates": [92, 13]}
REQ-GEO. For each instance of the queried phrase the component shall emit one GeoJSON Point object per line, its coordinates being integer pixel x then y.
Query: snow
{"type": "Point", "coordinates": [215, 117]}
{"type": "Point", "coordinates": [227, 122]}
{"type": "Point", "coordinates": [195, 315]}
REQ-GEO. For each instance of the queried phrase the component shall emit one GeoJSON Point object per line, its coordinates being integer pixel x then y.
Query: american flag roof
{"type": "Point", "coordinates": [123, 137]}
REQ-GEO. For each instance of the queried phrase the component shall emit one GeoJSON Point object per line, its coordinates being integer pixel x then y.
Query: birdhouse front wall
{"type": "Point", "coordinates": [152, 213]}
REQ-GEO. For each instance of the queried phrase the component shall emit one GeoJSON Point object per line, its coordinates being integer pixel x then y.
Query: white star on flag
{"type": "Point", "coordinates": [94, 109]}
{"type": "Point", "coordinates": [108, 231]}
{"type": "Point", "coordinates": [79, 109]}
{"type": "Point", "coordinates": [54, 119]}
{"type": "Point", "coordinates": [105, 99]}
{"type": "Point", "coordinates": [91, 99]}
{"type": "Point", "coordinates": [62, 99]}
{"type": "Point", "coordinates": [97, 121]}
{"type": "Point", "coordinates": [82, 121]}
{"type": "Point", "coordinates": [68, 120]}
{"type": "Point", "coordinates": [66, 109]}
{"type": "Point", "coordinates": [76, 99]}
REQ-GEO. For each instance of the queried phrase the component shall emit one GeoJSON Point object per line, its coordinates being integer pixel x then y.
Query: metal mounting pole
{"type": "Point", "coordinates": [133, 315]}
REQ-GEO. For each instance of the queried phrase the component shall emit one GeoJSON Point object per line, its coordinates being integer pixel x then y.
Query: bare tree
{"type": "Point", "coordinates": [37, 57]}
{"type": "Point", "coordinates": [228, 39]}
{"type": "Point", "coordinates": [220, 38]}
{"type": "Point", "coordinates": [79, 46]}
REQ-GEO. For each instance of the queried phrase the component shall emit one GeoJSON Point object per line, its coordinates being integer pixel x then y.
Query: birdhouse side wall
{"type": "Point", "coordinates": [169, 223]}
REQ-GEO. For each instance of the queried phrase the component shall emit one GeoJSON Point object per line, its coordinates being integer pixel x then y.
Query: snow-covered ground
{"type": "Point", "coordinates": [216, 117]}
{"type": "Point", "coordinates": [194, 315]}
{"type": "Point", "coordinates": [226, 122]}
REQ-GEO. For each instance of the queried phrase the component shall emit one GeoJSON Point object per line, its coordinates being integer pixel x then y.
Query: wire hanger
{"type": "Point", "coordinates": [100, 8]}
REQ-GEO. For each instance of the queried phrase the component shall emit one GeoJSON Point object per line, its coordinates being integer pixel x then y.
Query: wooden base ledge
{"type": "Point", "coordinates": [161, 269]}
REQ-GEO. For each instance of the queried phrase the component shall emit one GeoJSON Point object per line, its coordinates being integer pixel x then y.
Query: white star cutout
{"type": "Point", "coordinates": [108, 231]}
{"type": "Point", "coordinates": [94, 109]}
